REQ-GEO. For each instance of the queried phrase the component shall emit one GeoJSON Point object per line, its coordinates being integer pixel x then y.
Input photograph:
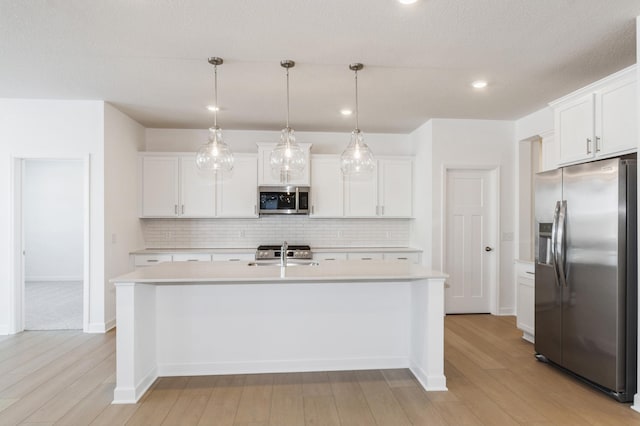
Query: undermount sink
{"type": "Point", "coordinates": [289, 263]}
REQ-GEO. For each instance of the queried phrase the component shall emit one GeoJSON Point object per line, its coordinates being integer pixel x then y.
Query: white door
{"type": "Point", "coordinates": [470, 249]}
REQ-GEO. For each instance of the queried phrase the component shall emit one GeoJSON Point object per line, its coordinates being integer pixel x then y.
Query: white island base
{"type": "Point", "coordinates": [174, 320]}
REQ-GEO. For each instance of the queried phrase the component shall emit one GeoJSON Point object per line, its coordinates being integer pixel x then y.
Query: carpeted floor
{"type": "Point", "coordinates": [53, 305]}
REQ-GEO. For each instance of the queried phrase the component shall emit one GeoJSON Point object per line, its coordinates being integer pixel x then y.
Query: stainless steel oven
{"type": "Point", "coordinates": [283, 199]}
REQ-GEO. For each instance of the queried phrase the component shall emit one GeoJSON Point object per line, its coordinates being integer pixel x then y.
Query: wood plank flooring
{"type": "Point", "coordinates": [67, 378]}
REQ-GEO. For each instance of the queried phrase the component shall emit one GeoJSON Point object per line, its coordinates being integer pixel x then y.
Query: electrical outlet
{"type": "Point", "coordinates": [340, 234]}
{"type": "Point", "coordinates": [242, 234]}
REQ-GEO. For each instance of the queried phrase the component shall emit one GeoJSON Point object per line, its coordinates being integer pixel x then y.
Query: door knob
{"type": "Point", "coordinates": [487, 248]}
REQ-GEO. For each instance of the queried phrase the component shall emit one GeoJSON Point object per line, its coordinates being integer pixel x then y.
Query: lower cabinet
{"type": "Point", "coordinates": [525, 302]}
{"type": "Point", "coordinates": [365, 256]}
{"type": "Point", "coordinates": [233, 257]}
{"type": "Point", "coordinates": [413, 257]}
{"type": "Point", "coordinates": [191, 257]}
{"type": "Point", "coordinates": [330, 256]}
{"type": "Point", "coordinates": [150, 259]}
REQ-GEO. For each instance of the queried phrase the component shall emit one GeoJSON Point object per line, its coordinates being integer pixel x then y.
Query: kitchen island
{"type": "Point", "coordinates": [204, 318]}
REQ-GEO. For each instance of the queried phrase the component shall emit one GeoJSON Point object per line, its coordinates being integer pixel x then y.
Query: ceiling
{"type": "Point", "coordinates": [149, 57]}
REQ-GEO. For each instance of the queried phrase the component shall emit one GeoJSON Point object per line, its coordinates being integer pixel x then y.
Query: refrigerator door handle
{"type": "Point", "coordinates": [560, 237]}
{"type": "Point", "coordinates": [554, 237]}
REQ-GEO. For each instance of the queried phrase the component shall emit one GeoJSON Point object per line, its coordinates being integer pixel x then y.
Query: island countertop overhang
{"type": "Point", "coordinates": [328, 271]}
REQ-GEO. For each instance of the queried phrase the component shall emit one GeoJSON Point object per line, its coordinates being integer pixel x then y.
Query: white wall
{"type": "Point", "coordinates": [53, 220]}
{"type": "Point", "coordinates": [123, 138]}
{"type": "Point", "coordinates": [534, 124]}
{"type": "Point", "coordinates": [480, 143]}
{"type": "Point", "coordinates": [51, 129]}
{"type": "Point", "coordinates": [421, 233]}
{"type": "Point", "coordinates": [189, 140]}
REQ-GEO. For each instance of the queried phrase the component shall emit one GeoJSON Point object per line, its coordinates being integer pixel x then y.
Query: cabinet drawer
{"type": "Point", "coordinates": [231, 257]}
{"type": "Point", "coordinates": [151, 259]}
{"type": "Point", "coordinates": [330, 256]}
{"type": "Point", "coordinates": [192, 257]}
{"type": "Point", "coordinates": [403, 257]}
{"type": "Point", "coordinates": [365, 256]}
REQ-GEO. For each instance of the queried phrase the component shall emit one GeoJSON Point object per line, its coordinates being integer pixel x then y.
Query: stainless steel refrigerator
{"type": "Point", "coordinates": [586, 273]}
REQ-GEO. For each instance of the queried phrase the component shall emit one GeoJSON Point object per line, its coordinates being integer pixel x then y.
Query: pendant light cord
{"type": "Point", "coordinates": [215, 96]}
{"type": "Point", "coordinates": [287, 98]}
{"type": "Point", "coordinates": [356, 79]}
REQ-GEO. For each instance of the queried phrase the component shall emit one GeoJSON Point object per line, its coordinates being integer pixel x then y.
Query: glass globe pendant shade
{"type": "Point", "coordinates": [357, 158]}
{"type": "Point", "coordinates": [215, 155]}
{"type": "Point", "coordinates": [287, 159]}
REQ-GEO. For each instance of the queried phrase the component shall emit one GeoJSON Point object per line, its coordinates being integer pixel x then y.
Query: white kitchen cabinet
{"type": "Point", "coordinates": [236, 191]}
{"type": "Point", "coordinates": [191, 257]}
{"type": "Point", "coordinates": [159, 186]}
{"type": "Point", "coordinates": [387, 192]}
{"type": "Point", "coordinates": [233, 257]}
{"type": "Point", "coordinates": [412, 257]}
{"type": "Point", "coordinates": [197, 190]}
{"type": "Point", "coordinates": [525, 302]}
{"type": "Point", "coordinates": [171, 185]}
{"type": "Point", "coordinates": [327, 189]}
{"type": "Point", "coordinates": [549, 152]}
{"type": "Point", "coordinates": [365, 255]}
{"type": "Point", "coordinates": [597, 121]}
{"type": "Point", "coordinates": [150, 259]}
{"type": "Point", "coordinates": [330, 256]}
{"type": "Point", "coordinates": [265, 175]}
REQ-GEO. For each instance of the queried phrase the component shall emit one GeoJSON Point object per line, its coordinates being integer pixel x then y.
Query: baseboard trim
{"type": "Point", "coordinates": [284, 366]}
{"type": "Point", "coordinates": [429, 383]}
{"type": "Point", "coordinates": [96, 327]}
{"type": "Point", "coordinates": [131, 395]}
{"type": "Point", "coordinates": [4, 330]}
{"type": "Point", "coordinates": [48, 278]}
{"type": "Point", "coordinates": [110, 325]}
{"type": "Point", "coordinates": [636, 403]}
{"type": "Point", "coordinates": [502, 312]}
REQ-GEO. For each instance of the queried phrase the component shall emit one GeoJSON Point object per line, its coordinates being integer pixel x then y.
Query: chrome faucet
{"type": "Point", "coordinates": [283, 254]}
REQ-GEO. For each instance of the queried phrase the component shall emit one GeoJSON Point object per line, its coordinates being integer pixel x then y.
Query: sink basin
{"type": "Point", "coordinates": [289, 263]}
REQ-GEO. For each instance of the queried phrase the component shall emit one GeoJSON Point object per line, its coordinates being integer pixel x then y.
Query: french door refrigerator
{"type": "Point", "coordinates": [586, 273]}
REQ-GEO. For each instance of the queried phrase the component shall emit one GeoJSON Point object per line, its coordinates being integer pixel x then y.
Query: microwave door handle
{"type": "Point", "coordinates": [554, 237]}
{"type": "Point", "coordinates": [561, 237]}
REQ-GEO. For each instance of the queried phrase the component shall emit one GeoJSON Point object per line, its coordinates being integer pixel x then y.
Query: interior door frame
{"type": "Point", "coordinates": [494, 285]}
{"type": "Point", "coordinates": [17, 273]}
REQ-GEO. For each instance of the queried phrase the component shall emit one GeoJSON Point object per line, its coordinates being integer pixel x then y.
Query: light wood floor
{"type": "Point", "coordinates": [66, 377]}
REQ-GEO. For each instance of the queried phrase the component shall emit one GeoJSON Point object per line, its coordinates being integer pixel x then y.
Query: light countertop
{"type": "Point", "coordinates": [238, 272]}
{"type": "Point", "coordinates": [238, 250]}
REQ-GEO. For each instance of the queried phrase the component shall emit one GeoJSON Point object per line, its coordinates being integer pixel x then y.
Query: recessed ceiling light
{"type": "Point", "coordinates": [346, 112]}
{"type": "Point", "coordinates": [213, 108]}
{"type": "Point", "coordinates": [407, 1]}
{"type": "Point", "coordinates": [479, 84]}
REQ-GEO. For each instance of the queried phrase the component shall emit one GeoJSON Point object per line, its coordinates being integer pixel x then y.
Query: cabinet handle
{"type": "Point", "coordinates": [382, 209]}
{"type": "Point", "coordinates": [192, 260]}
{"type": "Point", "coordinates": [255, 209]}
{"type": "Point", "coordinates": [597, 143]}
{"type": "Point", "coordinates": [313, 209]}
{"type": "Point", "coordinates": [152, 260]}
{"type": "Point", "coordinates": [330, 258]}
{"type": "Point", "coordinates": [234, 260]}
{"type": "Point", "coordinates": [588, 145]}
{"type": "Point", "coordinates": [377, 210]}
{"type": "Point", "coordinates": [183, 209]}
{"type": "Point", "coordinates": [530, 273]}
{"type": "Point", "coordinates": [175, 208]}
{"type": "Point", "coordinates": [403, 258]}
{"type": "Point", "coordinates": [366, 258]}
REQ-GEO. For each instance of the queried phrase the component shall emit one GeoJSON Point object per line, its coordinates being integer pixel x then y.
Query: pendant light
{"type": "Point", "coordinates": [287, 160]}
{"type": "Point", "coordinates": [215, 155]}
{"type": "Point", "coordinates": [357, 158]}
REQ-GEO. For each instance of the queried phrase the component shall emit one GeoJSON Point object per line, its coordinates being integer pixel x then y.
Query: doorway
{"type": "Point", "coordinates": [53, 228]}
{"type": "Point", "coordinates": [471, 251]}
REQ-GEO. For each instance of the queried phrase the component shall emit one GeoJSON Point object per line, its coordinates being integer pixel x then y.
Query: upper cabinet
{"type": "Point", "coordinates": [327, 188]}
{"type": "Point", "coordinates": [172, 186]}
{"type": "Point", "coordinates": [388, 192]}
{"type": "Point", "coordinates": [267, 177]}
{"type": "Point", "coordinates": [597, 121]}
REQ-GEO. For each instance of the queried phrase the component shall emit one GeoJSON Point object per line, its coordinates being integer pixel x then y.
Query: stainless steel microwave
{"type": "Point", "coordinates": [283, 199]}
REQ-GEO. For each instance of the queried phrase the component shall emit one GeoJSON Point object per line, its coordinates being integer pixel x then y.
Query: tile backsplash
{"type": "Point", "coordinates": [241, 233]}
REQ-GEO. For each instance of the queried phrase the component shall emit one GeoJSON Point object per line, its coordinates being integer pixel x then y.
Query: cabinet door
{"type": "Point", "coordinates": [327, 198]}
{"type": "Point", "coordinates": [365, 256]}
{"type": "Point", "coordinates": [403, 257]}
{"type": "Point", "coordinates": [151, 259]}
{"type": "Point", "coordinates": [616, 115]}
{"type": "Point", "coordinates": [192, 257]}
{"type": "Point", "coordinates": [197, 188]}
{"type": "Point", "coordinates": [575, 130]}
{"type": "Point", "coordinates": [237, 190]}
{"type": "Point", "coordinates": [361, 195]}
{"type": "Point", "coordinates": [159, 186]}
{"type": "Point", "coordinates": [395, 180]}
{"type": "Point", "coordinates": [330, 256]}
{"type": "Point", "coordinates": [265, 175]}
